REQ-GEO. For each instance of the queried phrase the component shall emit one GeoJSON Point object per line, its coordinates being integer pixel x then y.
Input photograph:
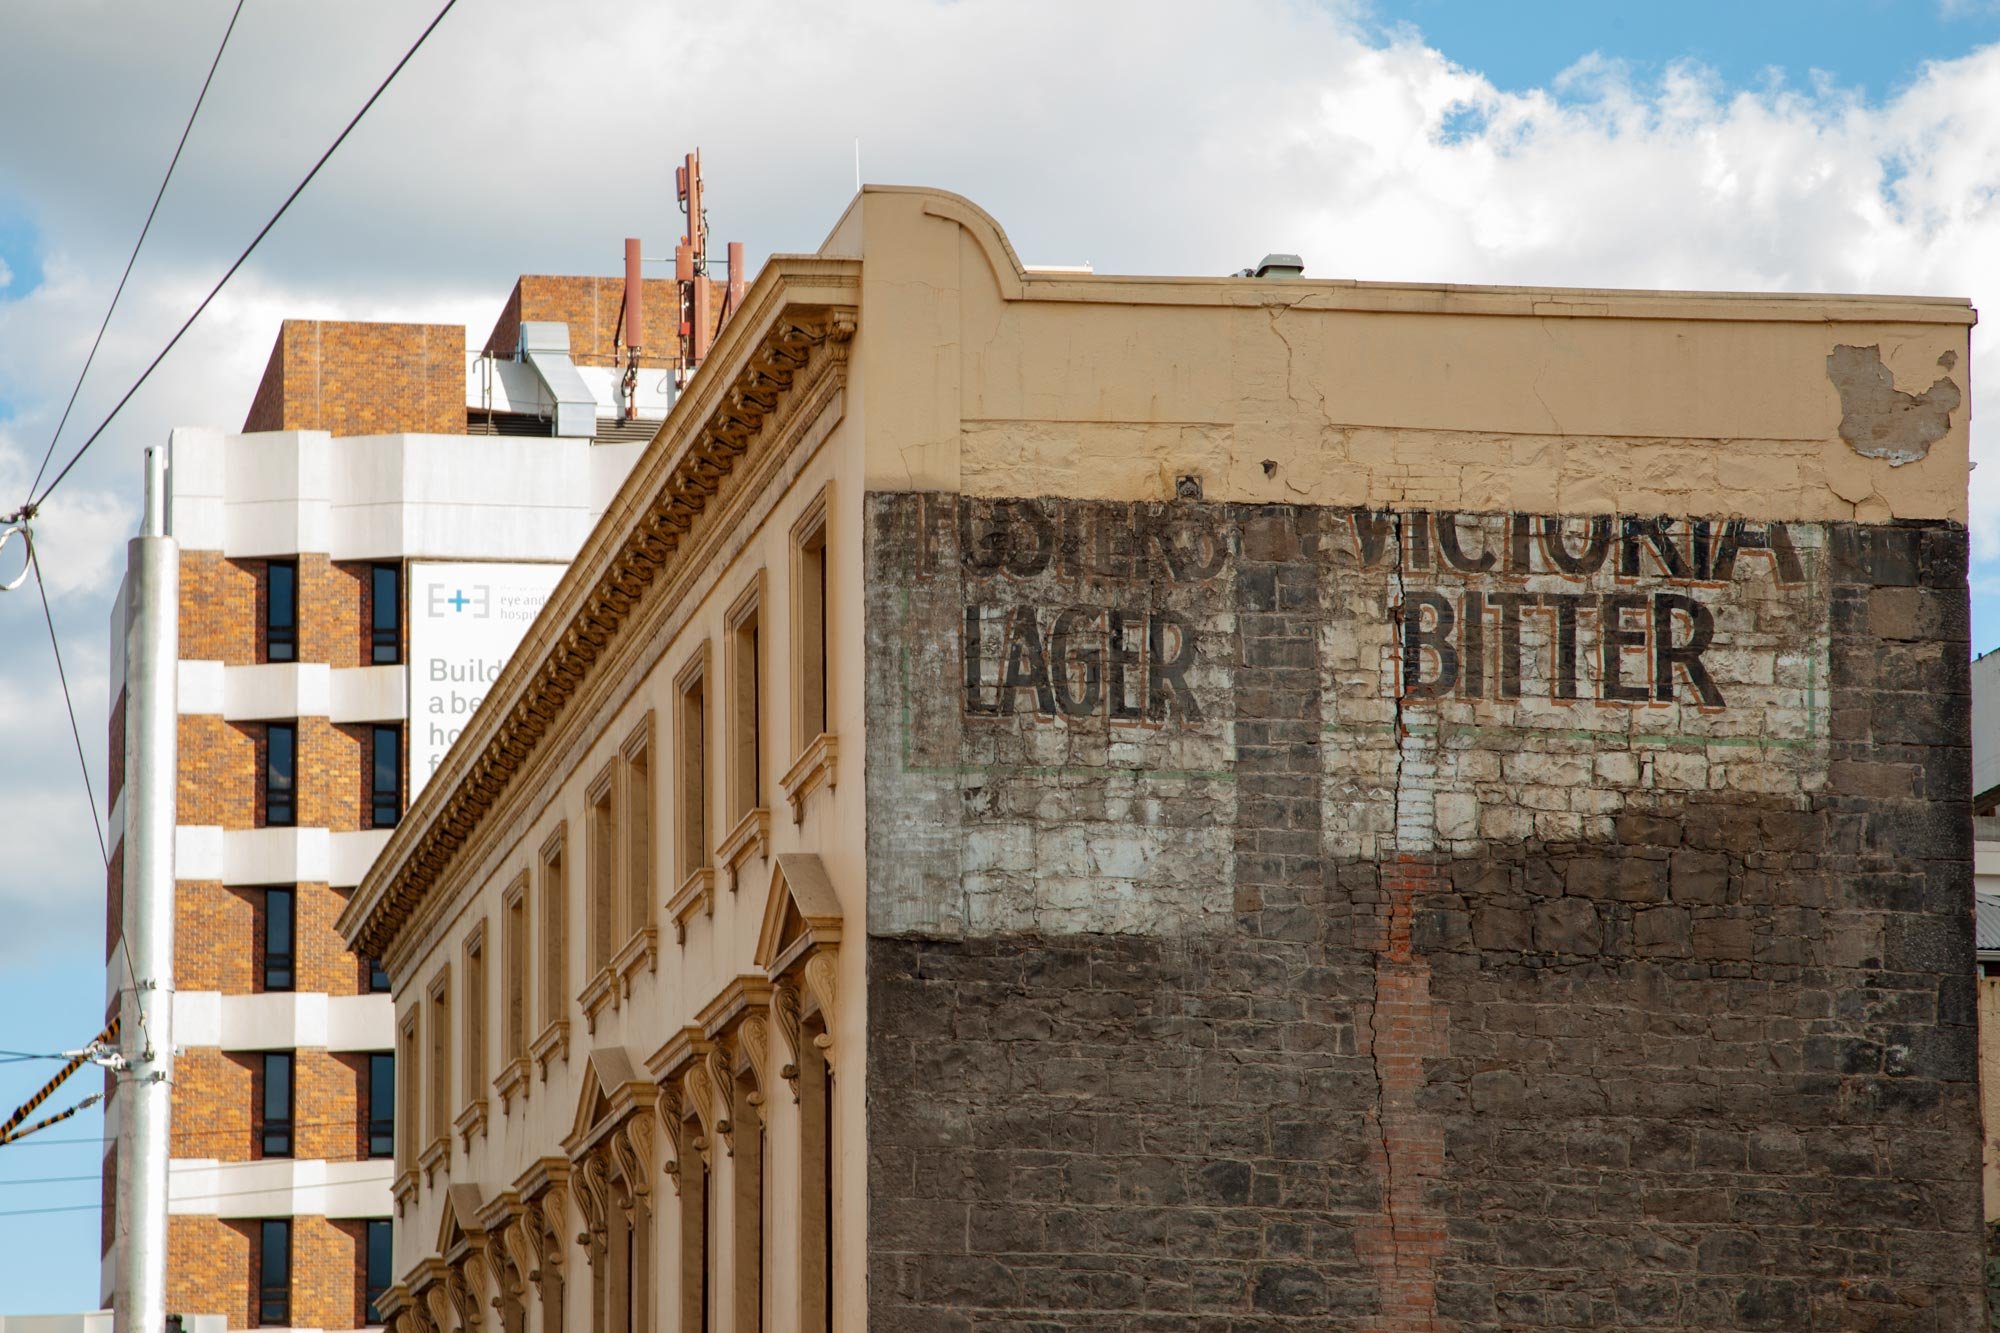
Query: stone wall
{"type": "Point", "coordinates": [1420, 920]}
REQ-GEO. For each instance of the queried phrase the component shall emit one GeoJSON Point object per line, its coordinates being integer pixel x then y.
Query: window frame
{"type": "Point", "coordinates": [691, 768]}
{"type": "Point", "coordinates": [437, 997]}
{"type": "Point", "coordinates": [638, 793]}
{"type": "Point", "coordinates": [472, 998]}
{"type": "Point", "coordinates": [812, 587]}
{"type": "Point", "coordinates": [281, 1129]}
{"type": "Point", "coordinates": [269, 1293]}
{"type": "Point", "coordinates": [376, 1128]}
{"type": "Point", "coordinates": [385, 639]}
{"type": "Point", "coordinates": [281, 637]}
{"type": "Point", "coordinates": [285, 814]}
{"type": "Point", "coordinates": [288, 894]}
{"type": "Point", "coordinates": [379, 798]}
{"type": "Point", "coordinates": [376, 1283]}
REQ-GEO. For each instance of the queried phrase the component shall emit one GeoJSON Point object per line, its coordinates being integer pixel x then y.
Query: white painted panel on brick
{"type": "Point", "coordinates": [465, 621]}
{"type": "Point", "coordinates": [275, 690]}
{"type": "Point", "coordinates": [360, 1023]}
{"type": "Point", "coordinates": [350, 854]}
{"type": "Point", "coordinates": [280, 1188]}
{"type": "Point", "coordinates": [200, 688]}
{"type": "Point", "coordinates": [367, 694]}
{"type": "Point", "coordinates": [198, 851]}
{"type": "Point", "coordinates": [197, 1016]}
{"type": "Point", "coordinates": [274, 856]}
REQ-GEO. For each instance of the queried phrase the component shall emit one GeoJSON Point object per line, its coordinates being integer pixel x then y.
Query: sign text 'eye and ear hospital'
{"type": "Point", "coordinates": [466, 620]}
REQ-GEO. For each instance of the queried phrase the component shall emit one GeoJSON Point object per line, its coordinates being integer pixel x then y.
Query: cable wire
{"type": "Point", "coordinates": [89, 792]}
{"type": "Point", "coordinates": [150, 214]}
{"type": "Point", "coordinates": [28, 510]}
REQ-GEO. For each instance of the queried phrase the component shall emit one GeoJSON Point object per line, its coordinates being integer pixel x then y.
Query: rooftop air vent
{"type": "Point", "coordinates": [1275, 266]}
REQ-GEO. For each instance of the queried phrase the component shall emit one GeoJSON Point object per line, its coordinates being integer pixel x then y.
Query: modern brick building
{"type": "Point", "coordinates": [1054, 800]}
{"type": "Point", "coordinates": [309, 544]}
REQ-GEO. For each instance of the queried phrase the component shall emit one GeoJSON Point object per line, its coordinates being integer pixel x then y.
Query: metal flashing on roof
{"type": "Point", "coordinates": [545, 347]}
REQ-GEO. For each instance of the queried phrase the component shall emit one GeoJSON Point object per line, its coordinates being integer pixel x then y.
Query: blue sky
{"type": "Point", "coordinates": [1424, 140]}
{"type": "Point", "coordinates": [1870, 45]}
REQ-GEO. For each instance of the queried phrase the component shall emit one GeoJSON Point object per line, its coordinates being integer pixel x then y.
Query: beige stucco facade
{"type": "Point", "coordinates": [914, 353]}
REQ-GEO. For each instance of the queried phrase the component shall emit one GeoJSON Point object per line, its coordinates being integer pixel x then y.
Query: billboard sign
{"type": "Point", "coordinates": [465, 621]}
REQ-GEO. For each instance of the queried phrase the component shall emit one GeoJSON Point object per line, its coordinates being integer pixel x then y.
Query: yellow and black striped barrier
{"type": "Point", "coordinates": [76, 1062]}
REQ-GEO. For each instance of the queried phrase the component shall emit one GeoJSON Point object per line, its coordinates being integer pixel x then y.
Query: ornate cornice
{"type": "Point", "coordinates": [793, 331]}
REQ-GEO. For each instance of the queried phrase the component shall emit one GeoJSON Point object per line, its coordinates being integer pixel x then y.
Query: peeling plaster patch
{"type": "Point", "coordinates": [1877, 419]}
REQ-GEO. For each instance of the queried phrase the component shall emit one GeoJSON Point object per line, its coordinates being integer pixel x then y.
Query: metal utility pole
{"type": "Point", "coordinates": [145, 1094]}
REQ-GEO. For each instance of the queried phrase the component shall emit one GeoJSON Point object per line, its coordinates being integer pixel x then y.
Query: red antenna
{"type": "Point", "coordinates": [698, 317]}
{"type": "Point", "coordinates": [635, 325]}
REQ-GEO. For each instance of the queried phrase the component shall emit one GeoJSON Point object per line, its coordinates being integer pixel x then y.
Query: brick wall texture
{"type": "Point", "coordinates": [1305, 918]}
{"type": "Point", "coordinates": [217, 1260]}
{"type": "Point", "coordinates": [363, 379]}
{"type": "Point", "coordinates": [592, 307]}
{"type": "Point", "coordinates": [220, 932]}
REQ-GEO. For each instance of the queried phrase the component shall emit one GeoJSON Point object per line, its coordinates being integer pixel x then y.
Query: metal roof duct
{"type": "Point", "coordinates": [545, 347]}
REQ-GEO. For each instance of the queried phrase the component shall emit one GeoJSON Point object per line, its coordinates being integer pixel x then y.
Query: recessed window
{"type": "Point", "coordinates": [746, 761]}
{"type": "Point", "coordinates": [474, 995]}
{"type": "Point", "coordinates": [378, 977]}
{"type": "Point", "coordinates": [692, 734]}
{"type": "Point", "coordinates": [281, 611]}
{"type": "Point", "coordinates": [440, 1058]}
{"type": "Point", "coordinates": [406, 1096]}
{"type": "Point", "coordinates": [382, 1104]}
{"type": "Point", "coordinates": [555, 931]}
{"type": "Point", "coordinates": [514, 941]}
{"type": "Point", "coordinates": [381, 1258]}
{"type": "Point", "coordinates": [385, 617]}
{"type": "Point", "coordinates": [809, 623]}
{"type": "Point", "coordinates": [274, 1273]}
{"type": "Point", "coordinates": [639, 826]}
{"type": "Point", "coordinates": [280, 938]}
{"type": "Point", "coordinates": [276, 1130]}
{"type": "Point", "coordinates": [602, 824]}
{"type": "Point", "coordinates": [281, 770]}
{"type": "Point", "coordinates": [386, 777]}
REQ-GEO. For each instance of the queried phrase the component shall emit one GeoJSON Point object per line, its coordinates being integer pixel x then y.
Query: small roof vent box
{"type": "Point", "coordinates": [1275, 266]}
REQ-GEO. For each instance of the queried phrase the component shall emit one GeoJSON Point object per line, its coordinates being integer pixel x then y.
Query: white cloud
{"type": "Point", "coordinates": [1164, 137]}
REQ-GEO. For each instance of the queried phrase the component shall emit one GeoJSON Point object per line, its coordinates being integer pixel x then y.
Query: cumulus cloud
{"type": "Point", "coordinates": [1126, 134]}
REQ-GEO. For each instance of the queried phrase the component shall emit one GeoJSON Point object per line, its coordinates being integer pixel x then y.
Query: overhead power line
{"type": "Point", "coordinates": [28, 510]}
{"type": "Point", "coordinates": [150, 214]}
{"type": "Point", "coordinates": [69, 706]}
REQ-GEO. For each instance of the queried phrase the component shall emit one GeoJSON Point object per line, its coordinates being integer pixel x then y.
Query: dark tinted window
{"type": "Point", "coordinates": [277, 1119]}
{"type": "Point", "coordinates": [378, 977]}
{"type": "Point", "coordinates": [280, 937]}
{"type": "Point", "coordinates": [386, 623]}
{"type": "Point", "coordinates": [274, 1274]}
{"type": "Point", "coordinates": [281, 613]}
{"type": "Point", "coordinates": [382, 1105]}
{"type": "Point", "coordinates": [281, 754]}
{"type": "Point", "coordinates": [381, 1257]}
{"type": "Point", "coordinates": [386, 788]}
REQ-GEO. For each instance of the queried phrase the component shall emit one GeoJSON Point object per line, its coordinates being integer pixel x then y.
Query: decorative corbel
{"type": "Point", "coordinates": [669, 1108]}
{"type": "Point", "coordinates": [695, 1089]}
{"type": "Point", "coordinates": [437, 1305]}
{"type": "Point", "coordinates": [756, 1039]}
{"type": "Point", "coordinates": [785, 1010]}
{"type": "Point", "coordinates": [461, 1284]}
{"type": "Point", "coordinates": [633, 1142]}
{"type": "Point", "coordinates": [722, 1074]}
{"type": "Point", "coordinates": [822, 980]}
{"type": "Point", "coordinates": [593, 1198]}
{"type": "Point", "coordinates": [521, 1259]}
{"type": "Point", "coordinates": [549, 1234]}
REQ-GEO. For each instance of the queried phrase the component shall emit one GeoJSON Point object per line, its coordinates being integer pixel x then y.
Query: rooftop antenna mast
{"type": "Point", "coordinates": [699, 319]}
